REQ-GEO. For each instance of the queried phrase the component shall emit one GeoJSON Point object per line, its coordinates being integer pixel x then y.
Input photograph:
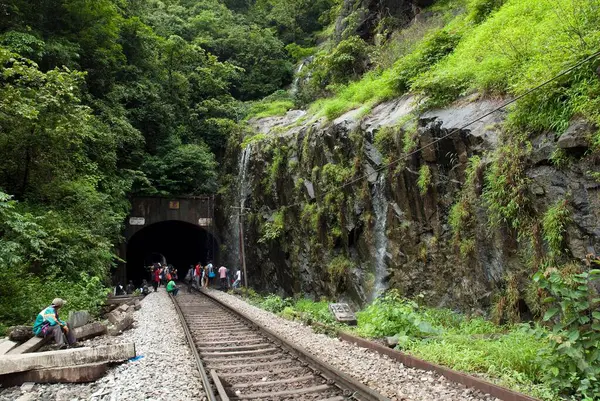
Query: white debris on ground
{"type": "Point", "coordinates": [389, 377]}
{"type": "Point", "coordinates": [166, 371]}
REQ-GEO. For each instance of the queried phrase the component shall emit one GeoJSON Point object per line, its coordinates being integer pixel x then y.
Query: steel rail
{"type": "Point", "coordinates": [356, 390]}
{"type": "Point", "coordinates": [210, 395]}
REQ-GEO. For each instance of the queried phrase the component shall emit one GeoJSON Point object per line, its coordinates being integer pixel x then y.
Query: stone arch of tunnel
{"type": "Point", "coordinates": [180, 243]}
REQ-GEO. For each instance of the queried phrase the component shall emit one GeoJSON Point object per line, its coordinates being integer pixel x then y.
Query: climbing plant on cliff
{"type": "Point", "coordinates": [506, 184]}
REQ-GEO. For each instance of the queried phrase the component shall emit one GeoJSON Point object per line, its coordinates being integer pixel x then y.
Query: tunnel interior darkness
{"type": "Point", "coordinates": [179, 243]}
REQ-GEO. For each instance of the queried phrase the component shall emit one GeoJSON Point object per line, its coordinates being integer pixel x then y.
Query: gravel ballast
{"type": "Point", "coordinates": [389, 377]}
{"type": "Point", "coordinates": [167, 370]}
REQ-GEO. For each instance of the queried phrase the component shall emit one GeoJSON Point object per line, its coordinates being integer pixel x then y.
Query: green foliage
{"type": "Point", "coordinates": [372, 89]}
{"type": "Point", "coordinates": [513, 358]}
{"type": "Point", "coordinates": [314, 311]}
{"type": "Point", "coordinates": [276, 104]}
{"type": "Point", "coordinates": [554, 225]}
{"type": "Point", "coordinates": [571, 363]}
{"type": "Point", "coordinates": [424, 180]}
{"type": "Point", "coordinates": [294, 21]}
{"type": "Point", "coordinates": [347, 60]}
{"type": "Point", "coordinates": [274, 303]}
{"type": "Point", "coordinates": [430, 51]}
{"type": "Point", "coordinates": [409, 141]}
{"type": "Point", "coordinates": [298, 52]}
{"type": "Point", "coordinates": [559, 158]}
{"type": "Point", "coordinates": [508, 355]}
{"type": "Point", "coordinates": [273, 229]}
{"type": "Point", "coordinates": [462, 214]}
{"type": "Point", "coordinates": [506, 184]}
{"type": "Point", "coordinates": [392, 315]}
{"type": "Point", "coordinates": [479, 10]}
{"type": "Point", "coordinates": [40, 263]}
{"type": "Point", "coordinates": [531, 43]}
{"type": "Point", "coordinates": [338, 268]}
{"type": "Point", "coordinates": [185, 169]}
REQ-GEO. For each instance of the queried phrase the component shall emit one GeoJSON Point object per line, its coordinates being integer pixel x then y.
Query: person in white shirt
{"type": "Point", "coordinates": [238, 279]}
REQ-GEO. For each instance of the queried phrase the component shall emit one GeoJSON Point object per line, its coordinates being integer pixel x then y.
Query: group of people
{"type": "Point", "coordinates": [48, 323]}
{"type": "Point", "coordinates": [164, 275]}
{"type": "Point", "coordinates": [199, 276]}
{"type": "Point", "coordinates": [203, 276]}
{"type": "Point", "coordinates": [131, 288]}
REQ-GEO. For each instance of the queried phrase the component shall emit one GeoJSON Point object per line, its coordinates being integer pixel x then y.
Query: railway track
{"type": "Point", "coordinates": [241, 360]}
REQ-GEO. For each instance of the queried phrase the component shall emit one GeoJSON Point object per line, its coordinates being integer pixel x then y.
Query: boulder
{"type": "Point", "coordinates": [576, 136]}
{"type": "Point", "coordinates": [89, 330]}
{"type": "Point", "coordinates": [78, 318]}
{"type": "Point", "coordinates": [123, 308]}
{"type": "Point", "coordinates": [20, 333]}
{"type": "Point", "coordinates": [120, 322]}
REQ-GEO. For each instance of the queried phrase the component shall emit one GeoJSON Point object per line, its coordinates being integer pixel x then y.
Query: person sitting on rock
{"type": "Point", "coordinates": [145, 290]}
{"type": "Point", "coordinates": [130, 287]}
{"type": "Point", "coordinates": [48, 324]}
{"type": "Point", "coordinates": [172, 288]}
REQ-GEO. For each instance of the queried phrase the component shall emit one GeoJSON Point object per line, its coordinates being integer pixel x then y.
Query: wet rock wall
{"type": "Point", "coordinates": [345, 209]}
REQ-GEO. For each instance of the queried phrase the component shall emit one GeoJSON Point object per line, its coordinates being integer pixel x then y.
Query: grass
{"type": "Point", "coordinates": [270, 109]}
{"type": "Point", "coordinates": [493, 47]}
{"type": "Point", "coordinates": [276, 104]}
{"type": "Point", "coordinates": [371, 90]}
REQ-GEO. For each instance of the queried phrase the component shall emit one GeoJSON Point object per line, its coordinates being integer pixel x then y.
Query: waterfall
{"type": "Point", "coordinates": [380, 240]}
{"type": "Point", "coordinates": [241, 194]}
{"type": "Point", "coordinates": [296, 82]}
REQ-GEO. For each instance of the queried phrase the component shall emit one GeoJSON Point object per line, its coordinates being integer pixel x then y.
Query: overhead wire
{"type": "Point", "coordinates": [452, 132]}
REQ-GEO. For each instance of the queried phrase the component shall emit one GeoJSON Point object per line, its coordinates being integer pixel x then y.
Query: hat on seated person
{"type": "Point", "coordinates": [58, 302]}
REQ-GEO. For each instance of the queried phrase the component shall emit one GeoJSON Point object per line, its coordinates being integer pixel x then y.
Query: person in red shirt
{"type": "Point", "coordinates": [198, 274]}
{"type": "Point", "coordinates": [156, 278]}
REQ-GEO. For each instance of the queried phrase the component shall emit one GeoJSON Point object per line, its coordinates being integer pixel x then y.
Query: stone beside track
{"type": "Point", "coordinates": [391, 378]}
{"type": "Point", "coordinates": [167, 371]}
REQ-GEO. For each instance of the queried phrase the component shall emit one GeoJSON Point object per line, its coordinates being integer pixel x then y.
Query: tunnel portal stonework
{"type": "Point", "coordinates": [150, 210]}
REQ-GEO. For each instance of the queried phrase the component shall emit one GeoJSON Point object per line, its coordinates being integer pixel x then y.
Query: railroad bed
{"type": "Point", "coordinates": [241, 360]}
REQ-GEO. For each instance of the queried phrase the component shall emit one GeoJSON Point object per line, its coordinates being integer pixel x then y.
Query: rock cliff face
{"type": "Point", "coordinates": [365, 17]}
{"type": "Point", "coordinates": [345, 209]}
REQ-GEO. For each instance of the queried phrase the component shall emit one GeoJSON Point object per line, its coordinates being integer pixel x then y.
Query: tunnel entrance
{"type": "Point", "coordinates": [177, 243]}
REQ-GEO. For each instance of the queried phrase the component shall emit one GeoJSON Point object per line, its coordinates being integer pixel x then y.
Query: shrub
{"type": "Point", "coordinates": [554, 224]}
{"type": "Point", "coordinates": [318, 311]}
{"type": "Point", "coordinates": [347, 60]}
{"type": "Point", "coordinates": [434, 48]}
{"type": "Point", "coordinates": [572, 361]}
{"type": "Point", "coordinates": [392, 315]}
{"type": "Point", "coordinates": [338, 268]}
{"type": "Point", "coordinates": [479, 10]}
{"type": "Point", "coordinates": [273, 229]}
{"type": "Point", "coordinates": [274, 303]}
{"type": "Point", "coordinates": [424, 180]}
{"type": "Point", "coordinates": [506, 184]}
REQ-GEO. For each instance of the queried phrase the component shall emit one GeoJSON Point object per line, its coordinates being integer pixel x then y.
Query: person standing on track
{"type": "Point", "coordinates": [205, 277]}
{"type": "Point", "coordinates": [189, 277]}
{"type": "Point", "coordinates": [211, 271]}
{"type": "Point", "coordinates": [223, 277]}
{"type": "Point", "coordinates": [156, 278]}
{"type": "Point", "coordinates": [238, 278]}
{"type": "Point", "coordinates": [198, 274]}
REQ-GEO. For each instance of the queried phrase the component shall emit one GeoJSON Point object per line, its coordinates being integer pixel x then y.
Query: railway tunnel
{"type": "Point", "coordinates": [175, 242]}
{"type": "Point", "coordinates": [176, 230]}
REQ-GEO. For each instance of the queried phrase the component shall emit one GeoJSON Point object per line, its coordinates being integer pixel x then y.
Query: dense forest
{"type": "Point", "coordinates": [101, 100]}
